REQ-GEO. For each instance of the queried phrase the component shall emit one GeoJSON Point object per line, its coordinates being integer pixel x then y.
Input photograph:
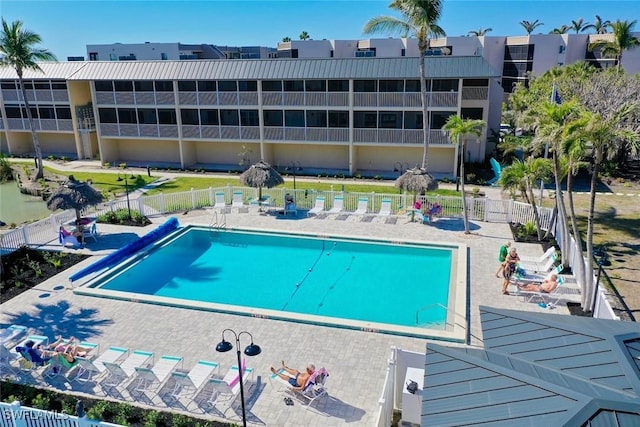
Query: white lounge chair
{"type": "Point", "coordinates": [338, 205]}
{"type": "Point", "coordinates": [158, 374]}
{"type": "Point", "coordinates": [190, 383]}
{"type": "Point", "coordinates": [11, 334]}
{"type": "Point", "coordinates": [61, 366]}
{"type": "Point", "coordinates": [318, 207]}
{"type": "Point", "coordinates": [541, 267]}
{"type": "Point", "coordinates": [220, 202]}
{"type": "Point", "coordinates": [237, 201]}
{"type": "Point", "coordinates": [226, 390]}
{"type": "Point", "coordinates": [518, 277]}
{"type": "Point", "coordinates": [90, 233]}
{"type": "Point", "coordinates": [122, 372]}
{"type": "Point", "coordinates": [541, 259]}
{"type": "Point", "coordinates": [7, 361]}
{"type": "Point", "coordinates": [362, 206]}
{"type": "Point", "coordinates": [87, 367]}
{"type": "Point", "coordinates": [385, 208]}
{"type": "Point", "coordinates": [546, 297]}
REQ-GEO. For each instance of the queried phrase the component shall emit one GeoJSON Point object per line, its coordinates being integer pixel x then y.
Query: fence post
{"type": "Point", "coordinates": [141, 206]}
{"type": "Point", "coordinates": [17, 414]}
{"type": "Point", "coordinates": [193, 198]}
{"type": "Point", "coordinates": [25, 235]}
{"type": "Point", "coordinates": [510, 211]}
{"type": "Point", "coordinates": [211, 198]}
{"type": "Point", "coordinates": [161, 204]}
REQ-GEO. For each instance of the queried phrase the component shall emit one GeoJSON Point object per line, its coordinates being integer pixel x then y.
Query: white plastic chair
{"type": "Point", "coordinates": [385, 208]}
{"type": "Point", "coordinates": [362, 206]}
{"type": "Point", "coordinates": [237, 201]}
{"type": "Point", "coordinates": [338, 205]}
{"type": "Point", "coordinates": [158, 374]}
{"type": "Point", "coordinates": [226, 390]}
{"type": "Point", "coordinates": [220, 202]}
{"type": "Point", "coordinates": [318, 207]}
{"type": "Point", "coordinates": [190, 383]}
{"type": "Point", "coordinates": [88, 367]}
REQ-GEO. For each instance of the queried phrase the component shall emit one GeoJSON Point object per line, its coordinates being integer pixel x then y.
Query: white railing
{"type": "Point", "coordinates": [15, 415]}
{"type": "Point", "coordinates": [385, 403]}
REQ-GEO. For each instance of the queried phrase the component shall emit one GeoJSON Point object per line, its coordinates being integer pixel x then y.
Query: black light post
{"type": "Point", "coordinates": [250, 350]}
{"type": "Point", "coordinates": [295, 166]}
{"type": "Point", "coordinates": [126, 188]}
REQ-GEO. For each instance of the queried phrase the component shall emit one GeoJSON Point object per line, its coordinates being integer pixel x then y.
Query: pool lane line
{"type": "Point", "coordinates": [335, 282]}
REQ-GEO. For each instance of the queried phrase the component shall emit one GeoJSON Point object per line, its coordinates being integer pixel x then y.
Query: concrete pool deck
{"type": "Point", "coordinates": [356, 360]}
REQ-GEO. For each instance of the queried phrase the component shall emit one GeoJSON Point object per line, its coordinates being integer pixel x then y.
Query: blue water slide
{"type": "Point", "coordinates": [130, 249]}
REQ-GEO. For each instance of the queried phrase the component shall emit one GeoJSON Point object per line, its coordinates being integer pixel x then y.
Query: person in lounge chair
{"type": "Point", "coordinates": [289, 203]}
{"type": "Point", "coordinates": [299, 380]}
{"type": "Point", "coordinates": [547, 286]}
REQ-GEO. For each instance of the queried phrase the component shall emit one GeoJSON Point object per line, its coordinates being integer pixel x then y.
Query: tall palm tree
{"type": "Point", "coordinates": [286, 39]}
{"type": "Point", "coordinates": [420, 20]}
{"type": "Point", "coordinates": [304, 36]}
{"type": "Point", "coordinates": [458, 128]}
{"type": "Point", "coordinates": [599, 26]}
{"type": "Point", "coordinates": [623, 39]}
{"type": "Point", "coordinates": [18, 50]}
{"type": "Point", "coordinates": [530, 26]}
{"type": "Point", "coordinates": [579, 25]}
{"type": "Point", "coordinates": [564, 29]}
{"type": "Point", "coordinates": [481, 32]}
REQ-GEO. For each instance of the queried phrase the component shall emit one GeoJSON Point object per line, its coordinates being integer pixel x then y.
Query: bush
{"type": "Point", "coordinates": [121, 216]}
{"type": "Point", "coordinates": [6, 174]}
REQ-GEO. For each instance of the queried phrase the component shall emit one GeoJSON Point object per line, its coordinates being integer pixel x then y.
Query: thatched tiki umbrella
{"type": "Point", "coordinates": [74, 195]}
{"type": "Point", "coordinates": [416, 180]}
{"type": "Point", "coordinates": [261, 175]}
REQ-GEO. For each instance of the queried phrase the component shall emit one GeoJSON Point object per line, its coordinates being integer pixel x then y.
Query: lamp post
{"type": "Point", "coordinates": [250, 350]}
{"type": "Point", "coordinates": [126, 188]}
{"type": "Point", "coordinates": [295, 166]}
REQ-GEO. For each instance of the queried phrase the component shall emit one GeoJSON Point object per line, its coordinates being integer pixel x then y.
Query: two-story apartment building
{"type": "Point", "coordinates": [352, 115]}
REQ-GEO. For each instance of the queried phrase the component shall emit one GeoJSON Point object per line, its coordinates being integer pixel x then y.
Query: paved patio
{"type": "Point", "coordinates": [355, 360]}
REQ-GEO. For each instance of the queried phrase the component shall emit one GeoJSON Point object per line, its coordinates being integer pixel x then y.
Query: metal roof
{"type": "Point", "coordinates": [50, 71]}
{"type": "Point", "coordinates": [266, 69]}
{"type": "Point", "coordinates": [525, 376]}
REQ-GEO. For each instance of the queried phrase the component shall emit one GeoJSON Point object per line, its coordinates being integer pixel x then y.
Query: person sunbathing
{"type": "Point", "coordinates": [547, 286]}
{"type": "Point", "coordinates": [68, 351]}
{"type": "Point", "coordinates": [299, 381]}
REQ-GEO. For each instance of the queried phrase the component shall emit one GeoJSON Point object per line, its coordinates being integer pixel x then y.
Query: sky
{"type": "Point", "coordinates": [66, 27]}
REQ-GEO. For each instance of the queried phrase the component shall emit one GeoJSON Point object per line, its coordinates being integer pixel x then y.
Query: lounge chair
{"type": "Point", "coordinates": [158, 374]}
{"type": "Point", "coordinates": [541, 259]}
{"type": "Point", "coordinates": [237, 201]}
{"type": "Point", "coordinates": [7, 360]}
{"type": "Point", "coordinates": [190, 384]}
{"type": "Point", "coordinates": [338, 205]}
{"type": "Point", "coordinates": [220, 202]}
{"type": "Point", "coordinates": [540, 267]}
{"type": "Point", "coordinates": [90, 233]}
{"type": "Point", "coordinates": [87, 367]}
{"type": "Point", "coordinates": [497, 170]}
{"type": "Point", "coordinates": [521, 276]}
{"type": "Point", "coordinates": [67, 239]}
{"type": "Point", "coordinates": [385, 208]}
{"type": "Point", "coordinates": [226, 390]}
{"type": "Point", "coordinates": [318, 207]}
{"type": "Point", "coordinates": [122, 372]}
{"type": "Point", "coordinates": [11, 334]}
{"type": "Point", "coordinates": [362, 206]}
{"type": "Point", "coordinates": [314, 389]}
{"type": "Point", "coordinates": [27, 363]}
{"type": "Point", "coordinates": [290, 208]}
{"type": "Point", "coordinates": [546, 297]}
{"type": "Point", "coordinates": [59, 365]}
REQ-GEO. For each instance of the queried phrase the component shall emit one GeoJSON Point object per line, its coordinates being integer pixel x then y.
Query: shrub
{"type": "Point", "coordinates": [6, 174]}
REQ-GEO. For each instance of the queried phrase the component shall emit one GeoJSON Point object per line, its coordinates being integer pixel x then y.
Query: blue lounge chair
{"type": "Point", "coordinates": [497, 170]}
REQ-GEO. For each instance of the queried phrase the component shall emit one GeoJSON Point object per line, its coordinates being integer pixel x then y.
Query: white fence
{"type": "Point", "coordinates": [15, 415]}
{"type": "Point", "coordinates": [480, 209]}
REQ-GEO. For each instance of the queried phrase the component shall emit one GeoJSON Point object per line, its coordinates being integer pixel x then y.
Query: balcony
{"type": "Point", "coordinates": [404, 99]}
{"type": "Point", "coordinates": [139, 130]}
{"type": "Point", "coordinates": [312, 99]}
{"type": "Point", "coordinates": [398, 136]}
{"type": "Point", "coordinates": [43, 125]}
{"type": "Point", "coordinates": [475, 93]}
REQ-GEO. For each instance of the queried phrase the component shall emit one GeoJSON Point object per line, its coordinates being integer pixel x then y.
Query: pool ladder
{"type": "Point", "coordinates": [218, 222]}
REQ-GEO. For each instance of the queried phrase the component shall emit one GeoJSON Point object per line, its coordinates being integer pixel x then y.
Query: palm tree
{"type": "Point", "coordinates": [530, 26]}
{"type": "Point", "coordinates": [623, 39]}
{"type": "Point", "coordinates": [286, 39]}
{"type": "Point", "coordinates": [420, 20]}
{"type": "Point", "coordinates": [579, 25]}
{"type": "Point", "coordinates": [304, 36]}
{"type": "Point", "coordinates": [564, 29]}
{"type": "Point", "coordinates": [458, 128]}
{"type": "Point", "coordinates": [481, 32]}
{"type": "Point", "coordinates": [18, 50]}
{"type": "Point", "coordinates": [599, 26]}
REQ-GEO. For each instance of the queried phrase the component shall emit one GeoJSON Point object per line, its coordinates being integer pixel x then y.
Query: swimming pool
{"type": "Point", "coordinates": [407, 288]}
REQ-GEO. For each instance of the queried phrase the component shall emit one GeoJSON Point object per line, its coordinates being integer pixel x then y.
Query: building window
{"type": "Point", "coordinates": [189, 117]}
{"type": "Point", "coordinates": [123, 86]}
{"type": "Point", "coordinates": [331, 53]}
{"type": "Point", "coordinates": [248, 86]}
{"type": "Point", "coordinates": [364, 85]}
{"type": "Point", "coordinates": [338, 85]}
{"type": "Point", "coordinates": [147, 116]}
{"type": "Point", "coordinates": [439, 51]}
{"type": "Point", "coordinates": [167, 116]}
{"type": "Point", "coordinates": [8, 86]}
{"type": "Point", "coordinates": [272, 117]}
{"type": "Point", "coordinates": [59, 85]}
{"type": "Point", "coordinates": [315, 85]}
{"type": "Point", "coordinates": [439, 118]}
{"type": "Point", "coordinates": [403, 52]}
{"type": "Point", "coordinates": [413, 119]}
{"type": "Point", "coordinates": [294, 118]}
{"type": "Point", "coordinates": [143, 86]}
{"type": "Point", "coordinates": [163, 56]}
{"type": "Point", "coordinates": [316, 118]}
{"type": "Point", "coordinates": [272, 86]}
{"type": "Point", "coordinates": [445, 85]}
{"type": "Point", "coordinates": [164, 86]}
{"type": "Point", "coordinates": [249, 118]}
{"type": "Point", "coordinates": [338, 119]}
{"type": "Point", "coordinates": [93, 56]}
{"type": "Point", "coordinates": [13, 112]}
{"type": "Point", "coordinates": [113, 57]}
{"type": "Point", "coordinates": [104, 85]}
{"type": "Point", "coordinates": [107, 115]}
{"type": "Point", "coordinates": [365, 53]}
{"type": "Point", "coordinates": [127, 115]}
{"type": "Point", "coordinates": [516, 69]}
{"type": "Point", "coordinates": [518, 52]}
{"type": "Point", "coordinates": [562, 49]}
{"type": "Point", "coordinates": [391, 86]}
{"type": "Point", "coordinates": [187, 86]}
{"type": "Point", "coordinates": [34, 113]}
{"type": "Point", "coordinates": [475, 83]}
{"type": "Point", "coordinates": [28, 85]}
{"type": "Point", "coordinates": [209, 117]}
{"type": "Point", "coordinates": [365, 119]}
{"type": "Point", "coordinates": [390, 120]}
{"type": "Point", "coordinates": [206, 86]}
{"type": "Point", "coordinates": [42, 86]}
{"type": "Point", "coordinates": [471, 113]}
{"type": "Point", "coordinates": [227, 86]}
{"type": "Point", "coordinates": [229, 118]}
{"type": "Point", "coordinates": [47, 113]}
{"type": "Point", "coordinates": [294, 85]}
{"type": "Point", "coordinates": [63, 113]}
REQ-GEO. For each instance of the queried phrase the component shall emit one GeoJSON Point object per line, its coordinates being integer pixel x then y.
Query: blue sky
{"type": "Point", "coordinates": [67, 26]}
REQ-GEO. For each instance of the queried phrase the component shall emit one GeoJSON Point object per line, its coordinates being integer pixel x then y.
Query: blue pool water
{"type": "Point", "coordinates": [336, 278]}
